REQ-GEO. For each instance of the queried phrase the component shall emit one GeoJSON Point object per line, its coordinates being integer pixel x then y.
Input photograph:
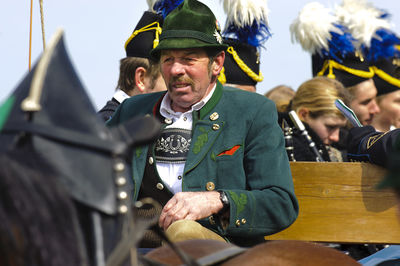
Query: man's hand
{"type": "Point", "coordinates": [190, 206]}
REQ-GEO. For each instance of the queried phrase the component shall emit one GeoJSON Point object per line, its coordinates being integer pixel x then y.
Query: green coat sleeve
{"type": "Point", "coordinates": [268, 204]}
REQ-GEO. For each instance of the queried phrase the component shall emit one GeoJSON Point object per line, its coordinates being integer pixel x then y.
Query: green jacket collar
{"type": "Point", "coordinates": [203, 111]}
{"type": "Point", "coordinates": [212, 102]}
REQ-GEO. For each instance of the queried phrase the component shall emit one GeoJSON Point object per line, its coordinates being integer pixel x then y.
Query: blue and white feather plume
{"type": "Point", "coordinates": [163, 7]}
{"type": "Point", "coordinates": [247, 21]}
{"type": "Point", "coordinates": [318, 31]}
{"type": "Point", "coordinates": [370, 27]}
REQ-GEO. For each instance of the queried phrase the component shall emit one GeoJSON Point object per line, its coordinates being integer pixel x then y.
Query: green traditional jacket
{"type": "Point", "coordinates": [237, 146]}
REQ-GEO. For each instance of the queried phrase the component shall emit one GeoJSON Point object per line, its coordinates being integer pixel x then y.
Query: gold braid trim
{"type": "Point", "coordinates": [222, 77]}
{"type": "Point", "coordinates": [356, 72]}
{"type": "Point", "coordinates": [386, 77]}
{"type": "Point", "coordinates": [244, 67]}
{"type": "Point", "coordinates": [149, 27]}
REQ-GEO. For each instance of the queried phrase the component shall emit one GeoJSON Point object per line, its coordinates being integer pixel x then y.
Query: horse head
{"type": "Point", "coordinates": [49, 115]}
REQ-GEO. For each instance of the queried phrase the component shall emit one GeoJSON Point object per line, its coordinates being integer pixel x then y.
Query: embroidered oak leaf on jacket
{"type": "Point", "coordinates": [240, 201]}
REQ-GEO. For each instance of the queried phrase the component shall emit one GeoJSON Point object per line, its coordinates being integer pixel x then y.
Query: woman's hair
{"type": "Point", "coordinates": [37, 216]}
{"type": "Point", "coordinates": [318, 95]}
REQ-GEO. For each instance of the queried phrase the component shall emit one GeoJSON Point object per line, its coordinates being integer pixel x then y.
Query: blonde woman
{"type": "Point", "coordinates": [314, 104]}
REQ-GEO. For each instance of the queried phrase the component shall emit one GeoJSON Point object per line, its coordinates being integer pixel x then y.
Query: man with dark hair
{"type": "Point", "coordinates": [138, 74]}
{"type": "Point", "coordinates": [219, 168]}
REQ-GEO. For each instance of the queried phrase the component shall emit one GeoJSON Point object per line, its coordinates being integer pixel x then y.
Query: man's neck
{"type": "Point", "coordinates": [380, 126]}
{"type": "Point", "coordinates": [177, 108]}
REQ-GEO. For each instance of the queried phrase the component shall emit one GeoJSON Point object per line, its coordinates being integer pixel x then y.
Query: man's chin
{"type": "Point", "coordinates": [181, 104]}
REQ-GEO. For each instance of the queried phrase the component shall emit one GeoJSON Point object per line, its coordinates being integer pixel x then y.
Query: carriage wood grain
{"type": "Point", "coordinates": [339, 203]}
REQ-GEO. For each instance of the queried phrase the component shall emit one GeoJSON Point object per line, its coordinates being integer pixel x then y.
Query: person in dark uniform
{"type": "Point", "coordinates": [337, 55]}
{"type": "Point", "coordinates": [381, 148]}
{"type": "Point", "coordinates": [137, 72]}
{"type": "Point", "coordinates": [385, 60]}
{"type": "Point", "coordinates": [314, 104]}
{"type": "Point", "coordinates": [219, 168]}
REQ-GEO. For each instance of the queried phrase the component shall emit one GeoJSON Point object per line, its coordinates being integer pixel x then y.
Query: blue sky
{"type": "Point", "coordinates": [95, 33]}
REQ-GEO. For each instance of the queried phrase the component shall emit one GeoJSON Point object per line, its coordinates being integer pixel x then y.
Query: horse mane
{"type": "Point", "coordinates": [37, 215]}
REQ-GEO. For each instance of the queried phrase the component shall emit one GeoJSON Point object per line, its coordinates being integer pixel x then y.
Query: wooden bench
{"type": "Point", "coordinates": [339, 204]}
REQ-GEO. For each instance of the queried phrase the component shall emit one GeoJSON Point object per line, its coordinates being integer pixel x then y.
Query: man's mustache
{"type": "Point", "coordinates": [181, 80]}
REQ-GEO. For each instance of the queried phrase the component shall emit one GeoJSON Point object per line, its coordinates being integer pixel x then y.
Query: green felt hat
{"type": "Point", "coordinates": [191, 25]}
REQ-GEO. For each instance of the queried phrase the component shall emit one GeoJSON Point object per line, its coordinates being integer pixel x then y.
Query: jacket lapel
{"type": "Point", "coordinates": [206, 128]}
{"type": "Point", "coordinates": [204, 135]}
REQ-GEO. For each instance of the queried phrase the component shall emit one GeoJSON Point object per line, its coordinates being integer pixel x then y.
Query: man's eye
{"type": "Point", "coordinates": [167, 59]}
{"type": "Point", "coordinates": [188, 59]}
{"type": "Point", "coordinates": [366, 102]}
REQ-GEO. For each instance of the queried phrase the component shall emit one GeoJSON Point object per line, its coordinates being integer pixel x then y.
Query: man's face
{"type": "Point", "coordinates": [189, 75]}
{"type": "Point", "coordinates": [327, 127]}
{"type": "Point", "coordinates": [364, 104]}
{"type": "Point", "coordinates": [390, 109]}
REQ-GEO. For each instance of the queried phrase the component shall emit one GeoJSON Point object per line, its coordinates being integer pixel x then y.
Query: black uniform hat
{"type": "Point", "coordinates": [387, 74]}
{"type": "Point", "coordinates": [145, 37]}
{"type": "Point", "coordinates": [374, 39]}
{"type": "Point", "coordinates": [384, 57]}
{"type": "Point", "coordinates": [50, 113]}
{"type": "Point", "coordinates": [246, 29]}
{"type": "Point", "coordinates": [320, 32]}
{"type": "Point", "coordinates": [242, 63]}
{"type": "Point", "coordinates": [351, 70]}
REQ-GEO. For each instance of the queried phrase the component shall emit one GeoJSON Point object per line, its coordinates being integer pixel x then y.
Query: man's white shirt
{"type": "Point", "coordinates": [172, 173]}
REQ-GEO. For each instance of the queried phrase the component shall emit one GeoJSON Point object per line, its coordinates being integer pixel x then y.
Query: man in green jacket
{"type": "Point", "coordinates": [220, 159]}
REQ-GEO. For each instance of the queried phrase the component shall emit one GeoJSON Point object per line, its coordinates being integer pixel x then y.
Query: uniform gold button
{"type": "Point", "coordinates": [237, 223]}
{"type": "Point", "coordinates": [211, 220]}
{"type": "Point", "coordinates": [214, 116]}
{"type": "Point", "coordinates": [168, 121]}
{"type": "Point", "coordinates": [122, 195]}
{"type": "Point", "coordinates": [160, 186]}
{"type": "Point", "coordinates": [123, 209]}
{"type": "Point", "coordinates": [121, 181]}
{"type": "Point", "coordinates": [215, 127]}
{"type": "Point", "coordinates": [151, 160]}
{"type": "Point", "coordinates": [210, 186]}
{"type": "Point", "coordinates": [244, 221]}
{"type": "Point", "coordinates": [184, 118]}
{"type": "Point", "coordinates": [179, 177]}
{"type": "Point", "coordinates": [119, 167]}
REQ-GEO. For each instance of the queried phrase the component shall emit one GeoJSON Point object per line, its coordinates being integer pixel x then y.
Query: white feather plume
{"type": "Point", "coordinates": [362, 19]}
{"type": "Point", "coordinates": [312, 27]}
{"type": "Point", "coordinates": [151, 3]}
{"type": "Point", "coordinates": [245, 12]}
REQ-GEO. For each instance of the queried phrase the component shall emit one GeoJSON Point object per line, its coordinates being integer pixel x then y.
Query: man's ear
{"type": "Point", "coordinates": [140, 74]}
{"type": "Point", "coordinates": [303, 114]}
{"type": "Point", "coordinates": [218, 63]}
